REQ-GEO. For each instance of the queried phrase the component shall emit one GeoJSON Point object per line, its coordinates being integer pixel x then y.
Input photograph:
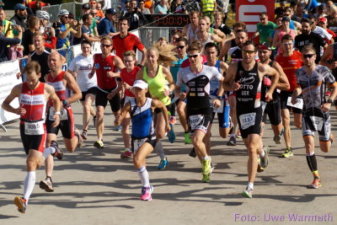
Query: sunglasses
{"type": "Point", "coordinates": [308, 56]}
{"type": "Point", "coordinates": [128, 61]}
{"type": "Point", "coordinates": [193, 56]}
{"type": "Point", "coordinates": [248, 51]}
{"type": "Point", "coordinates": [263, 18]}
{"type": "Point", "coordinates": [181, 47]}
{"type": "Point", "coordinates": [105, 46]}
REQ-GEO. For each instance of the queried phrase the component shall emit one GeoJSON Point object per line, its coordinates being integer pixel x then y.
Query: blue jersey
{"type": "Point", "coordinates": [142, 119]}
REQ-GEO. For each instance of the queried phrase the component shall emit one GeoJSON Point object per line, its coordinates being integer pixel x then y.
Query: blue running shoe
{"type": "Point", "coordinates": [171, 135]}
{"type": "Point", "coordinates": [162, 164]}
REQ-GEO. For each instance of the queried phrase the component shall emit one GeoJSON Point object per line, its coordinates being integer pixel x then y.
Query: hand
{"type": "Point", "coordinates": [18, 28]}
{"type": "Point", "coordinates": [326, 107]}
{"type": "Point", "coordinates": [166, 92]}
{"type": "Point", "coordinates": [167, 128]}
{"type": "Point", "coordinates": [111, 95]}
{"type": "Point", "coordinates": [236, 86]}
{"type": "Point", "coordinates": [269, 96]}
{"type": "Point", "coordinates": [182, 95]}
{"type": "Point", "coordinates": [18, 75]}
{"type": "Point", "coordinates": [20, 111]}
{"type": "Point", "coordinates": [216, 103]}
{"type": "Point", "coordinates": [110, 74]}
{"type": "Point", "coordinates": [293, 100]}
{"type": "Point", "coordinates": [56, 120]}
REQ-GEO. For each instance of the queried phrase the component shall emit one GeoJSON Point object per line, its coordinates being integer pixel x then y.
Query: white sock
{"type": "Point", "coordinates": [207, 157]}
{"type": "Point", "coordinates": [144, 176]}
{"type": "Point", "coordinates": [262, 152]}
{"type": "Point", "coordinates": [250, 185]}
{"type": "Point", "coordinates": [160, 151]}
{"type": "Point", "coordinates": [48, 151]}
{"type": "Point", "coordinates": [29, 184]}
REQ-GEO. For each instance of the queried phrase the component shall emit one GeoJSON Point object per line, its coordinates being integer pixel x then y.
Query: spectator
{"type": "Point", "coordinates": [64, 29]}
{"type": "Point", "coordinates": [265, 29]}
{"type": "Point", "coordinates": [6, 24]}
{"type": "Point", "coordinates": [88, 33]}
{"type": "Point", "coordinates": [94, 6]}
{"type": "Point", "coordinates": [319, 30]}
{"type": "Point", "coordinates": [177, 6]}
{"type": "Point", "coordinates": [33, 6]}
{"type": "Point", "coordinates": [150, 5]}
{"type": "Point", "coordinates": [126, 41]}
{"type": "Point", "coordinates": [207, 8]}
{"type": "Point", "coordinates": [142, 8]}
{"type": "Point", "coordinates": [4, 41]}
{"type": "Point", "coordinates": [105, 27]}
{"type": "Point", "coordinates": [332, 18]}
{"type": "Point", "coordinates": [161, 8]}
{"type": "Point", "coordinates": [279, 11]}
{"type": "Point", "coordinates": [218, 24]}
{"type": "Point", "coordinates": [323, 22]}
{"type": "Point", "coordinates": [134, 15]}
{"type": "Point", "coordinates": [47, 30]}
{"type": "Point", "coordinates": [27, 39]}
{"type": "Point", "coordinates": [85, 9]}
{"type": "Point", "coordinates": [20, 16]}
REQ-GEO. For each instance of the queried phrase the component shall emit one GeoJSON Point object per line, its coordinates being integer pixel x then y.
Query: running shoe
{"type": "Point", "coordinates": [58, 152]}
{"type": "Point", "coordinates": [247, 193]}
{"type": "Point", "coordinates": [192, 153]}
{"type": "Point", "coordinates": [173, 120]}
{"type": "Point", "coordinates": [277, 139]}
{"type": "Point", "coordinates": [287, 153]}
{"type": "Point", "coordinates": [146, 193]}
{"type": "Point", "coordinates": [171, 135]}
{"type": "Point", "coordinates": [126, 154]}
{"type": "Point", "coordinates": [80, 139]}
{"type": "Point", "coordinates": [206, 178]}
{"type": "Point", "coordinates": [117, 128]}
{"type": "Point", "coordinates": [84, 135]}
{"type": "Point", "coordinates": [265, 160]}
{"type": "Point", "coordinates": [21, 203]}
{"type": "Point", "coordinates": [99, 144]}
{"type": "Point", "coordinates": [187, 138]}
{"type": "Point", "coordinates": [162, 164]}
{"type": "Point", "coordinates": [316, 183]}
{"type": "Point", "coordinates": [206, 166]}
{"type": "Point", "coordinates": [232, 141]}
{"type": "Point", "coordinates": [47, 184]}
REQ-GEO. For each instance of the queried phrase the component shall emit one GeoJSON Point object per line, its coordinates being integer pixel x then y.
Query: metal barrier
{"type": "Point", "coordinates": [53, 11]}
{"type": "Point", "coordinates": [149, 35]}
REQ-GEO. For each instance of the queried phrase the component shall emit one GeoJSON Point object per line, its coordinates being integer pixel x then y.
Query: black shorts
{"type": "Point", "coordinates": [200, 121]}
{"type": "Point", "coordinates": [92, 90]}
{"type": "Point", "coordinates": [36, 142]}
{"type": "Point", "coordinates": [102, 100]}
{"type": "Point", "coordinates": [249, 121]}
{"type": "Point", "coordinates": [316, 120]}
{"type": "Point", "coordinates": [67, 123]}
{"type": "Point", "coordinates": [224, 119]}
{"type": "Point", "coordinates": [136, 143]}
{"type": "Point", "coordinates": [283, 101]}
{"type": "Point", "coordinates": [273, 110]}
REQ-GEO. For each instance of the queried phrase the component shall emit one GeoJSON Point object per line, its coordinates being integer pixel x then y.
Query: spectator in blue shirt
{"type": "Point", "coordinates": [105, 27]}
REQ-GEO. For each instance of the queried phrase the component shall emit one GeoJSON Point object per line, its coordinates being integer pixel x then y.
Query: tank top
{"type": "Point", "coordinates": [129, 78]}
{"type": "Point", "coordinates": [214, 83]}
{"type": "Point", "coordinates": [102, 66]}
{"type": "Point", "coordinates": [191, 34]}
{"type": "Point", "coordinates": [58, 84]}
{"type": "Point", "coordinates": [142, 119]}
{"type": "Point", "coordinates": [157, 85]}
{"type": "Point", "coordinates": [248, 97]}
{"type": "Point", "coordinates": [34, 102]}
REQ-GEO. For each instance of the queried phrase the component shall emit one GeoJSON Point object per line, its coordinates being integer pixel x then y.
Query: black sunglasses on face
{"type": "Point", "coordinates": [308, 55]}
{"type": "Point", "coordinates": [181, 47]}
{"type": "Point", "coordinates": [192, 56]}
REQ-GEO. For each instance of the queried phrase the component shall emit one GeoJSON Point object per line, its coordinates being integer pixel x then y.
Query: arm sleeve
{"type": "Point", "coordinates": [8, 41]}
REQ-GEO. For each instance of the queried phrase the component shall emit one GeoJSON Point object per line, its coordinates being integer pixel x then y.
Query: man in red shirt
{"type": "Point", "coordinates": [290, 60]}
{"type": "Point", "coordinates": [107, 67]}
{"type": "Point", "coordinates": [126, 41]}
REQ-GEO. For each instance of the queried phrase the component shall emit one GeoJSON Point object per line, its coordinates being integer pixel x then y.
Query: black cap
{"type": "Point", "coordinates": [86, 6]}
{"type": "Point", "coordinates": [111, 11]}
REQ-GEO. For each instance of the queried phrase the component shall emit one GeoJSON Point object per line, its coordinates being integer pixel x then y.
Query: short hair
{"type": "Point", "coordinates": [84, 41]}
{"type": "Point", "coordinates": [287, 37]}
{"type": "Point", "coordinates": [195, 46]}
{"type": "Point", "coordinates": [264, 14]}
{"type": "Point", "coordinates": [106, 38]}
{"type": "Point", "coordinates": [122, 19]}
{"type": "Point", "coordinates": [129, 53]}
{"type": "Point", "coordinates": [182, 39]}
{"type": "Point", "coordinates": [31, 67]}
{"type": "Point", "coordinates": [194, 12]}
{"type": "Point", "coordinates": [249, 43]}
{"type": "Point", "coordinates": [308, 48]}
{"type": "Point", "coordinates": [33, 21]}
{"type": "Point", "coordinates": [212, 45]}
{"type": "Point", "coordinates": [239, 24]}
{"type": "Point", "coordinates": [85, 16]}
{"type": "Point", "coordinates": [306, 20]}
{"type": "Point", "coordinates": [38, 34]}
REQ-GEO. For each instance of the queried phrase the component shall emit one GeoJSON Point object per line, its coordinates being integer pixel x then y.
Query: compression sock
{"type": "Point", "coordinates": [29, 184]}
{"type": "Point", "coordinates": [160, 150]}
{"type": "Point", "coordinates": [144, 176]}
{"type": "Point", "coordinates": [312, 163]}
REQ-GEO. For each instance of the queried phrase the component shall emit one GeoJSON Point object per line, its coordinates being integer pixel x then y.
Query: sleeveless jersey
{"type": "Point", "coordinates": [248, 97]}
{"type": "Point", "coordinates": [58, 84]}
{"type": "Point", "coordinates": [157, 85]}
{"type": "Point", "coordinates": [142, 119]}
{"type": "Point", "coordinates": [214, 82]}
{"type": "Point", "coordinates": [102, 66]}
{"type": "Point", "coordinates": [129, 78]}
{"type": "Point", "coordinates": [34, 102]}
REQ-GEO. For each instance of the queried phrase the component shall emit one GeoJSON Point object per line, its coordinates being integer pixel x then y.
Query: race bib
{"type": "Point", "coordinates": [247, 120]}
{"type": "Point", "coordinates": [317, 122]}
{"type": "Point", "coordinates": [63, 115]}
{"type": "Point", "coordinates": [196, 121]}
{"type": "Point", "coordinates": [34, 128]}
{"type": "Point", "coordinates": [297, 105]}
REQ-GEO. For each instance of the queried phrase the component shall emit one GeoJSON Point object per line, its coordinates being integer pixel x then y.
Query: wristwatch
{"type": "Point", "coordinates": [329, 101]}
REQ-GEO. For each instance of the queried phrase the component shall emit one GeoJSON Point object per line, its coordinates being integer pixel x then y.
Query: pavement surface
{"type": "Point", "coordinates": [93, 187]}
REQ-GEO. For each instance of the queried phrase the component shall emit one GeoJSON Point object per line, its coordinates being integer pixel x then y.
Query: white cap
{"type": "Point", "coordinates": [63, 12]}
{"type": "Point", "coordinates": [140, 84]}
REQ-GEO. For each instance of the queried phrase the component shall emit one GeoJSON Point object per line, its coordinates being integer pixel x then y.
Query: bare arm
{"type": "Point", "coordinates": [73, 86]}
{"type": "Point", "coordinates": [15, 93]}
{"type": "Point", "coordinates": [158, 104]}
{"type": "Point", "coordinates": [56, 103]}
{"type": "Point", "coordinates": [169, 78]}
{"type": "Point", "coordinates": [229, 83]}
{"type": "Point", "coordinates": [283, 83]}
{"type": "Point", "coordinates": [143, 51]}
{"type": "Point", "coordinates": [267, 70]}
{"type": "Point", "coordinates": [124, 111]}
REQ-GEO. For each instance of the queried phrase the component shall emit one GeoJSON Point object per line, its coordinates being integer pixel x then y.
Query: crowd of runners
{"type": "Point", "coordinates": [204, 70]}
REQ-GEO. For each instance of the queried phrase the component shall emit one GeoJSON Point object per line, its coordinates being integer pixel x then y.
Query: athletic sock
{"type": "Point", "coordinates": [144, 176]}
{"type": "Point", "coordinates": [207, 157]}
{"type": "Point", "coordinates": [250, 186]}
{"type": "Point", "coordinates": [262, 152]}
{"type": "Point", "coordinates": [48, 151]}
{"type": "Point", "coordinates": [160, 150]}
{"type": "Point", "coordinates": [29, 184]}
{"type": "Point", "coordinates": [312, 163]}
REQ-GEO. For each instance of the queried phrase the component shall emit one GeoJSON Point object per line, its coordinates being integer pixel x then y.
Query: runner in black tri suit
{"type": "Point", "coordinates": [245, 78]}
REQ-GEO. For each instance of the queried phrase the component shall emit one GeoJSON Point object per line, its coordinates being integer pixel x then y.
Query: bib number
{"type": "Point", "coordinates": [34, 128]}
{"type": "Point", "coordinates": [317, 122]}
{"type": "Point", "coordinates": [197, 122]}
{"type": "Point", "coordinates": [247, 120]}
{"type": "Point", "coordinates": [63, 115]}
{"type": "Point", "coordinates": [297, 105]}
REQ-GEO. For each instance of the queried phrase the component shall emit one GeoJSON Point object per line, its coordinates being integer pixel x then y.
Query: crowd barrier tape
{"type": "Point", "coordinates": [8, 71]}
